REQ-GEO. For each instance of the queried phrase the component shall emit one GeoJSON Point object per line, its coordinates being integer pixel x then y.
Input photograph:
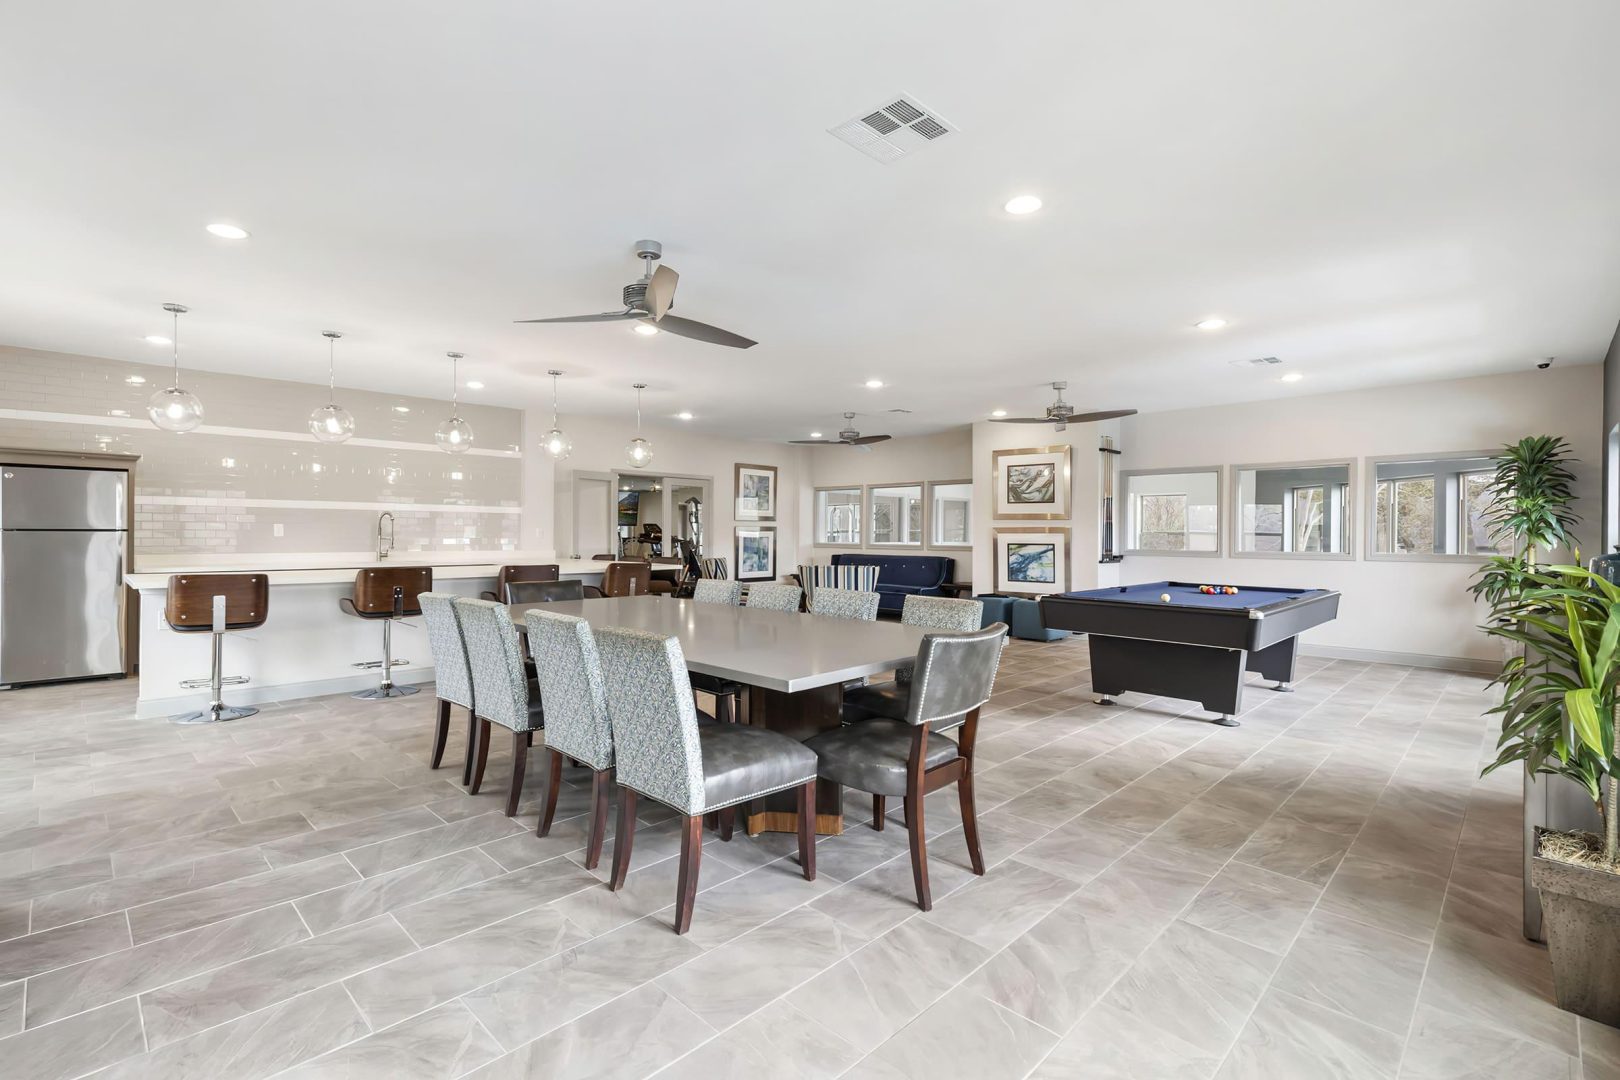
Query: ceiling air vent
{"type": "Point", "coordinates": [1257, 362]}
{"type": "Point", "coordinates": [891, 131]}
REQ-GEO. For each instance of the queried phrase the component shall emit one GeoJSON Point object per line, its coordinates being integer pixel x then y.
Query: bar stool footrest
{"type": "Point", "coordinates": [381, 693]}
{"type": "Point", "coordinates": [216, 714]}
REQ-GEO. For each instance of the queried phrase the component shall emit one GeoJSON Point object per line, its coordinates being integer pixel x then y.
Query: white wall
{"type": "Point", "coordinates": [1389, 606]}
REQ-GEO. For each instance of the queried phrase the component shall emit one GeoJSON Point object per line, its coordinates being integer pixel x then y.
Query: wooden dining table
{"type": "Point", "coordinates": [794, 668]}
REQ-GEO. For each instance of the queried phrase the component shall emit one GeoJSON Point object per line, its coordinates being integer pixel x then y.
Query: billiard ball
{"type": "Point", "coordinates": [1231, 590]}
{"type": "Point", "coordinates": [1165, 597]}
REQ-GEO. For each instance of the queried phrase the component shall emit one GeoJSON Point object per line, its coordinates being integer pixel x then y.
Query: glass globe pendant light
{"type": "Point", "coordinates": [455, 435]}
{"type": "Point", "coordinates": [639, 452]}
{"type": "Point", "coordinates": [175, 409]}
{"type": "Point", "coordinates": [556, 444]}
{"type": "Point", "coordinates": [331, 423]}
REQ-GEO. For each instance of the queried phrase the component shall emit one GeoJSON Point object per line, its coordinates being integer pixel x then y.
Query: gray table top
{"type": "Point", "coordinates": [777, 650]}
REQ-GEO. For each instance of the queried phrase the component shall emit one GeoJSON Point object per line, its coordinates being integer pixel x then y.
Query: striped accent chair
{"type": "Point", "coordinates": [855, 578]}
{"type": "Point", "coordinates": [714, 566]}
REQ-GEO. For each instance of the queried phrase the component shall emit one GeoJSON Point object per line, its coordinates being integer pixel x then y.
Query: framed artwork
{"type": "Point", "coordinates": [1031, 485]}
{"type": "Point", "coordinates": [1032, 562]}
{"type": "Point", "coordinates": [756, 492]}
{"type": "Point", "coordinates": [756, 553]}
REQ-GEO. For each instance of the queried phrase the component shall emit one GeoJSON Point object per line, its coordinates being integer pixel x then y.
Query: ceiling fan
{"type": "Point", "coordinates": [1062, 414]}
{"type": "Point", "coordinates": [847, 437]}
{"type": "Point", "coordinates": [649, 300]}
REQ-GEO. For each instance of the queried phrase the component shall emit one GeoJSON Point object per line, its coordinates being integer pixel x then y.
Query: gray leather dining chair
{"type": "Point", "coordinates": [845, 604]}
{"type": "Point", "coordinates": [661, 752]}
{"type": "Point", "coordinates": [452, 677]}
{"type": "Point", "coordinates": [501, 690]}
{"type": "Point", "coordinates": [890, 698]}
{"type": "Point", "coordinates": [954, 676]}
{"type": "Point", "coordinates": [575, 700]}
{"type": "Point", "coordinates": [771, 596]}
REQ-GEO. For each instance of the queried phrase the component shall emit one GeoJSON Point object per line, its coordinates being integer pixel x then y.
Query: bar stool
{"type": "Point", "coordinates": [627, 579]}
{"type": "Point", "coordinates": [520, 572]}
{"type": "Point", "coordinates": [389, 594]}
{"type": "Point", "coordinates": [215, 604]}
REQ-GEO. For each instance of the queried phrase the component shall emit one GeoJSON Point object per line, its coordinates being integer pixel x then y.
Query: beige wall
{"type": "Point", "coordinates": [254, 465]}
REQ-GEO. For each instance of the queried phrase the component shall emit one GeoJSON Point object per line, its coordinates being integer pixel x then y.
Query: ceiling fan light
{"type": "Point", "coordinates": [645, 329]}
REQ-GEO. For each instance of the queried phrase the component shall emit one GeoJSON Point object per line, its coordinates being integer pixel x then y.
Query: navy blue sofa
{"type": "Point", "coordinates": [900, 576]}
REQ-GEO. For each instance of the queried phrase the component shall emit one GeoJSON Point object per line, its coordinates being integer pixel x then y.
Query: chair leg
{"type": "Point", "coordinates": [441, 734]}
{"type": "Point", "coordinates": [472, 749]}
{"type": "Point", "coordinates": [520, 762]}
{"type": "Point", "coordinates": [601, 780]}
{"type": "Point", "coordinates": [725, 708]}
{"type": "Point", "coordinates": [728, 820]}
{"type": "Point", "coordinates": [623, 837]}
{"type": "Point", "coordinates": [970, 819]}
{"type": "Point", "coordinates": [482, 757]}
{"type": "Point", "coordinates": [880, 806]}
{"type": "Point", "coordinates": [553, 782]}
{"type": "Point", "coordinates": [919, 850]}
{"type": "Point", "coordinates": [691, 856]}
{"type": "Point", "coordinates": [807, 830]}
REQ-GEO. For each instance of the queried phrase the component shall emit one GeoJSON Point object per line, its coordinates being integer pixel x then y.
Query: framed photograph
{"type": "Point", "coordinates": [1032, 484]}
{"type": "Point", "coordinates": [756, 492]}
{"type": "Point", "coordinates": [756, 553]}
{"type": "Point", "coordinates": [1032, 562]}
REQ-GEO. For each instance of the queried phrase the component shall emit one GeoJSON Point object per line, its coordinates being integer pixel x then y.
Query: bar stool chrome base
{"type": "Point", "coordinates": [216, 713]}
{"type": "Point", "coordinates": [387, 690]}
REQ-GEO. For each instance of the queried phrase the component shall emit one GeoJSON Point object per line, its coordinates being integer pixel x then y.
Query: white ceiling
{"type": "Point", "coordinates": [1375, 192]}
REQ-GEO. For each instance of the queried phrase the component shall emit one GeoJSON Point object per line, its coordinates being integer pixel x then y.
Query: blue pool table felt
{"type": "Point", "coordinates": [1183, 594]}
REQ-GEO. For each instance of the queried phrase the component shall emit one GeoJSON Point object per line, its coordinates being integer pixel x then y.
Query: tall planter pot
{"type": "Point", "coordinates": [1581, 917]}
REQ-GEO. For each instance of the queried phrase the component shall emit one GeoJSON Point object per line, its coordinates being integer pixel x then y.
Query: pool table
{"type": "Point", "coordinates": [1195, 645]}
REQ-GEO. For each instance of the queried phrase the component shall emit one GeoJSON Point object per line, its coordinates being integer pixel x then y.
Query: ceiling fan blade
{"type": "Point", "coordinates": [865, 440]}
{"type": "Point", "coordinates": [1021, 420]}
{"type": "Point", "coordinates": [1107, 414]}
{"type": "Point", "coordinates": [691, 328]}
{"type": "Point", "coordinates": [606, 316]}
{"type": "Point", "coordinates": [661, 291]}
{"type": "Point", "coordinates": [814, 442]}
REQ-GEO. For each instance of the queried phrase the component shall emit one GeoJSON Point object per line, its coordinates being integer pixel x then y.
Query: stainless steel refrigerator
{"type": "Point", "coordinates": [62, 544]}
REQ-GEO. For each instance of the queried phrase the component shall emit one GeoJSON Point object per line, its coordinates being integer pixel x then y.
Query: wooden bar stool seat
{"type": "Point", "coordinates": [216, 604]}
{"type": "Point", "coordinates": [387, 594]}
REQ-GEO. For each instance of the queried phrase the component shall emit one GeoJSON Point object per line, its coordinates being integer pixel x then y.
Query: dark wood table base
{"type": "Point", "coordinates": [800, 716]}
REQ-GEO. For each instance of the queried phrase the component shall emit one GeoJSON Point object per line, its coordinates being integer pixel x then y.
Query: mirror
{"type": "Point", "coordinates": [838, 516]}
{"type": "Point", "coordinates": [1434, 505]}
{"type": "Point", "coordinates": [1172, 511]}
{"type": "Point", "coordinates": [657, 517]}
{"type": "Point", "coordinates": [951, 513]}
{"type": "Point", "coordinates": [1293, 510]}
{"type": "Point", "coordinates": [895, 515]}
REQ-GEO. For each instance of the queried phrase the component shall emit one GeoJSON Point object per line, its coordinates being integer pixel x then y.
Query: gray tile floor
{"type": "Point", "coordinates": [1326, 891]}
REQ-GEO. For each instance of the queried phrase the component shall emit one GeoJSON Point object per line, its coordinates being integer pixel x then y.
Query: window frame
{"type": "Point", "coordinates": [860, 517]}
{"type": "Point", "coordinates": [1344, 494]}
{"type": "Point", "coordinates": [871, 509]}
{"type": "Point", "coordinates": [1370, 464]}
{"type": "Point", "coordinates": [1128, 531]}
{"type": "Point", "coordinates": [928, 516]}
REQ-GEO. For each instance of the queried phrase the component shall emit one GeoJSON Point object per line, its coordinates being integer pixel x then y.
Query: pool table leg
{"type": "Point", "coordinates": [1106, 700]}
{"type": "Point", "coordinates": [1284, 688]}
{"type": "Point", "coordinates": [1225, 720]}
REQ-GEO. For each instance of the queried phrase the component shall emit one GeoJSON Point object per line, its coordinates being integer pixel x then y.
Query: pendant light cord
{"type": "Point", "coordinates": [331, 370]}
{"type": "Point", "coordinates": [455, 384]}
{"type": "Point", "coordinates": [554, 400]}
{"type": "Point", "coordinates": [176, 344]}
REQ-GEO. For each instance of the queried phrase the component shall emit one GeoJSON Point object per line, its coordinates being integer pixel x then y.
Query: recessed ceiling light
{"type": "Point", "coordinates": [402, 408]}
{"type": "Point", "coordinates": [998, 412]}
{"type": "Point", "coordinates": [228, 232]}
{"type": "Point", "coordinates": [1023, 204]}
{"type": "Point", "coordinates": [227, 463]}
{"type": "Point", "coordinates": [874, 384]}
{"type": "Point", "coordinates": [1292, 376]}
{"type": "Point", "coordinates": [815, 434]}
{"type": "Point", "coordinates": [118, 412]}
{"type": "Point", "coordinates": [645, 329]}
{"type": "Point", "coordinates": [1214, 322]}
{"type": "Point", "coordinates": [474, 384]}
{"type": "Point", "coordinates": [136, 380]}
{"type": "Point", "coordinates": [683, 415]}
{"type": "Point", "coordinates": [158, 339]}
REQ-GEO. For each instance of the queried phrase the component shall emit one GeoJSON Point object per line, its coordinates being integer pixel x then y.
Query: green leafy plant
{"type": "Point", "coordinates": [1559, 697]}
{"type": "Point", "coordinates": [1530, 497]}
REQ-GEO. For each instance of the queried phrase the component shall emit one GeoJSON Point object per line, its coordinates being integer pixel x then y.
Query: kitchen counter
{"type": "Point", "coordinates": [326, 569]}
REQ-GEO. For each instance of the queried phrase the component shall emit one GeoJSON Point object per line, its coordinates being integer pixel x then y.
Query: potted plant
{"type": "Point", "coordinates": [1558, 718]}
{"type": "Point", "coordinates": [1529, 495]}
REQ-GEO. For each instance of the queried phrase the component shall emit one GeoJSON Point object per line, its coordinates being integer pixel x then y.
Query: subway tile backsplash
{"type": "Point", "coordinates": [254, 471]}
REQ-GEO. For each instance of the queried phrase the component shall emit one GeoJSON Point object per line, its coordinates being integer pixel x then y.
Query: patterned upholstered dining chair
{"type": "Point", "coordinates": [717, 591]}
{"type": "Point", "coordinates": [452, 680]}
{"type": "Point", "coordinates": [910, 757]}
{"type": "Point", "coordinates": [890, 698]}
{"type": "Point", "coordinates": [770, 596]}
{"type": "Point", "coordinates": [844, 604]}
{"type": "Point", "coordinates": [662, 753]}
{"type": "Point", "coordinates": [727, 694]}
{"type": "Point", "coordinates": [502, 691]}
{"type": "Point", "coordinates": [577, 726]}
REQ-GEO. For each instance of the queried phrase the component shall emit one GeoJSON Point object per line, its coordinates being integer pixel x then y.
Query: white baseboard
{"type": "Point", "coordinates": [1466, 664]}
{"type": "Point", "coordinates": [260, 695]}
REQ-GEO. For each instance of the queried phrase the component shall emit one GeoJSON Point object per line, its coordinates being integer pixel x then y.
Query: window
{"type": "Point", "coordinates": [951, 514]}
{"type": "Point", "coordinates": [1432, 506]}
{"type": "Point", "coordinates": [1173, 512]}
{"type": "Point", "coordinates": [896, 515]}
{"type": "Point", "coordinates": [838, 516]}
{"type": "Point", "coordinates": [1293, 509]}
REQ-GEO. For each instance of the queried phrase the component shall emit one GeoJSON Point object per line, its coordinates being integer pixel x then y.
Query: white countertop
{"type": "Point", "coordinates": [339, 568]}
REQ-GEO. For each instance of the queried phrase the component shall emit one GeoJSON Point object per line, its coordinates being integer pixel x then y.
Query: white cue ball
{"type": "Point", "coordinates": [1165, 597]}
